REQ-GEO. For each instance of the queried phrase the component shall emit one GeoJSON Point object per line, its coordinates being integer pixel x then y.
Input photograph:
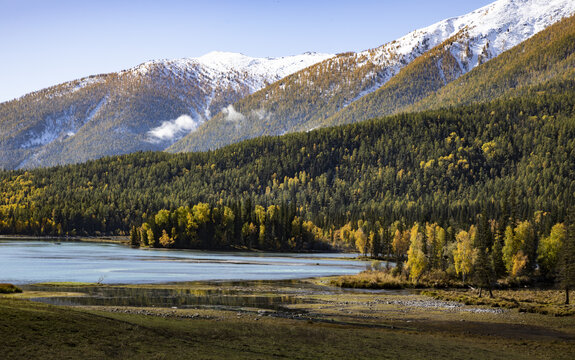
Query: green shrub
{"type": "Point", "coordinates": [9, 289]}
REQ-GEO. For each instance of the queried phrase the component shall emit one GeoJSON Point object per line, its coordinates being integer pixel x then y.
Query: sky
{"type": "Point", "coordinates": [47, 42]}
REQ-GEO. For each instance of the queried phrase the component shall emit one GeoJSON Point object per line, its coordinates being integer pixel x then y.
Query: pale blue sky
{"type": "Point", "coordinates": [46, 42]}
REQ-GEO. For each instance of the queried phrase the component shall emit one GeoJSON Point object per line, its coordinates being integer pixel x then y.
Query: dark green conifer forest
{"type": "Point", "coordinates": [509, 158]}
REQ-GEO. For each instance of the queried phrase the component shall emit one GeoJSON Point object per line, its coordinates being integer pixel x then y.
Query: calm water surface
{"type": "Point", "coordinates": [26, 262]}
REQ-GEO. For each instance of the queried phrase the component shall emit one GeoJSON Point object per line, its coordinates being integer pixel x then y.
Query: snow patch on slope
{"type": "Point", "coordinates": [52, 130]}
{"type": "Point", "coordinates": [82, 83]}
{"type": "Point", "coordinates": [59, 127]}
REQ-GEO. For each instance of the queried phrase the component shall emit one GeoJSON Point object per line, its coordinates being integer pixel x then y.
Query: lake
{"type": "Point", "coordinates": [32, 261]}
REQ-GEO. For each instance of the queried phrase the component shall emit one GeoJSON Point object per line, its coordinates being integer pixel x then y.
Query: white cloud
{"type": "Point", "coordinates": [232, 115]}
{"type": "Point", "coordinates": [171, 129]}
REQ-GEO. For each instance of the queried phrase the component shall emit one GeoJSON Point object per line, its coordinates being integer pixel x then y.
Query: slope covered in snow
{"type": "Point", "coordinates": [490, 30]}
{"type": "Point", "coordinates": [310, 98]}
{"type": "Point", "coordinates": [223, 66]}
{"type": "Point", "coordinates": [147, 107]}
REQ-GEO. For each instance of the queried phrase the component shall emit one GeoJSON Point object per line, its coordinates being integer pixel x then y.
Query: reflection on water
{"type": "Point", "coordinates": [272, 295]}
{"type": "Point", "coordinates": [236, 297]}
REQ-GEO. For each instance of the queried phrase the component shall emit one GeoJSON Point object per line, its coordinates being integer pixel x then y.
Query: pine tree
{"type": "Point", "coordinates": [497, 258]}
{"type": "Point", "coordinates": [484, 273]}
{"type": "Point", "coordinates": [567, 272]}
{"type": "Point", "coordinates": [134, 237]}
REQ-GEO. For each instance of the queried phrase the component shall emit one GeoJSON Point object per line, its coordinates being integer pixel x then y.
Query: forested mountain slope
{"type": "Point", "coordinates": [550, 55]}
{"type": "Point", "coordinates": [439, 54]}
{"type": "Point", "coordinates": [443, 166]}
{"type": "Point", "coordinates": [147, 107]}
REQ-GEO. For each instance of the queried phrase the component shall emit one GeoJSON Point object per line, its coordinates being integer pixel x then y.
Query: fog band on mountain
{"type": "Point", "coordinates": [172, 129]}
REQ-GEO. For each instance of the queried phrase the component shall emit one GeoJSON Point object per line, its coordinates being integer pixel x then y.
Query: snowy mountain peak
{"type": "Point", "coordinates": [147, 107]}
{"type": "Point", "coordinates": [275, 67]}
{"type": "Point", "coordinates": [230, 59]}
{"type": "Point", "coordinates": [217, 63]}
{"type": "Point", "coordinates": [487, 31]}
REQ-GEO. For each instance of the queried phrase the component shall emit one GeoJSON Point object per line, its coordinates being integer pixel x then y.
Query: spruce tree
{"type": "Point", "coordinates": [134, 237]}
{"type": "Point", "coordinates": [484, 273]}
{"type": "Point", "coordinates": [567, 269]}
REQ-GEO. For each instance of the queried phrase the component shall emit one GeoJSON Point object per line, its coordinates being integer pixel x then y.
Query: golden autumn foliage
{"type": "Point", "coordinates": [464, 252]}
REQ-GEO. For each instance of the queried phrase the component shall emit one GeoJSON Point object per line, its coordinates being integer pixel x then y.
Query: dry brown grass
{"type": "Point", "coordinates": [371, 280]}
{"type": "Point", "coordinates": [386, 279]}
{"type": "Point", "coordinates": [541, 301]}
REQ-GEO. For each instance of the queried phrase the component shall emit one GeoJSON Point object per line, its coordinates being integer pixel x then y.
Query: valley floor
{"type": "Point", "coordinates": [327, 324]}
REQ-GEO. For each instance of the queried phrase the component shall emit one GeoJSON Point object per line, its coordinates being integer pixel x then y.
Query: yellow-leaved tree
{"type": "Point", "coordinates": [400, 244]}
{"type": "Point", "coordinates": [549, 249]}
{"type": "Point", "coordinates": [361, 241]}
{"type": "Point", "coordinates": [166, 240]}
{"type": "Point", "coordinates": [464, 252]}
{"type": "Point", "coordinates": [416, 259]}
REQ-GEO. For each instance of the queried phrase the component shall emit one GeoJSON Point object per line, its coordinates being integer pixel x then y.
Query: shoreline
{"type": "Point", "coordinates": [126, 241]}
{"type": "Point", "coordinates": [104, 239]}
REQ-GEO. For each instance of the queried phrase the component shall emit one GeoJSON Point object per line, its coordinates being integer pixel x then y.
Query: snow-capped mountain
{"type": "Point", "coordinates": [480, 35]}
{"type": "Point", "coordinates": [220, 98]}
{"type": "Point", "coordinates": [231, 69]}
{"type": "Point", "coordinates": [470, 40]}
{"type": "Point", "coordinates": [312, 97]}
{"type": "Point", "coordinates": [227, 77]}
{"type": "Point", "coordinates": [147, 107]}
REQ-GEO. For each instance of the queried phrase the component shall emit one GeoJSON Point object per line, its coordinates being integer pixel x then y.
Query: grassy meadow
{"type": "Point", "coordinates": [328, 325]}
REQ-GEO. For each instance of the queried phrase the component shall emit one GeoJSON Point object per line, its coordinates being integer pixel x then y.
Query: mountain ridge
{"type": "Point", "coordinates": [470, 40]}
{"type": "Point", "coordinates": [548, 55]}
{"type": "Point", "coordinates": [116, 113]}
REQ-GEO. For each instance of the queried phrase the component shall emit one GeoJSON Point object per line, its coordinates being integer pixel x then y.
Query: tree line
{"type": "Point", "coordinates": [239, 225]}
